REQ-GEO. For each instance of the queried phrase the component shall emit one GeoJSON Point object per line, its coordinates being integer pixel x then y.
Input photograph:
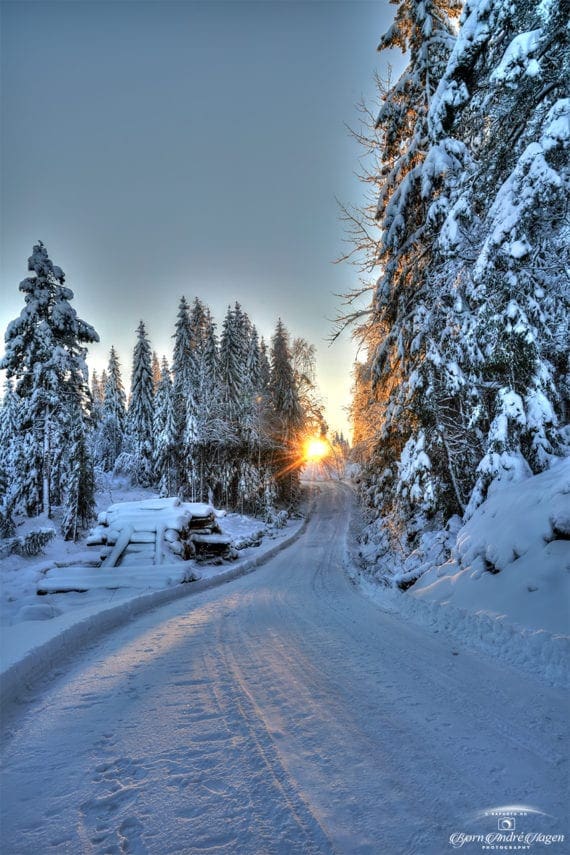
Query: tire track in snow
{"type": "Point", "coordinates": [315, 839]}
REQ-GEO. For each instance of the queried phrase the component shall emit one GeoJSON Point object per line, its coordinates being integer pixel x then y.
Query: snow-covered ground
{"type": "Point", "coordinates": [44, 628]}
{"type": "Point", "coordinates": [284, 713]}
{"type": "Point", "coordinates": [506, 588]}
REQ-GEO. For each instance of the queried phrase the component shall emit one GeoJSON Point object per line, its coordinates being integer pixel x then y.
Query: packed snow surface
{"type": "Point", "coordinates": [281, 713]}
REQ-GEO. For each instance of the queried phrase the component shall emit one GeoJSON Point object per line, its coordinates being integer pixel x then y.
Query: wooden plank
{"type": "Point", "coordinates": [113, 557]}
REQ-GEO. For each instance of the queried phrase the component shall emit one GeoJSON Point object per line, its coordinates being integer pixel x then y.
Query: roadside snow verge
{"type": "Point", "coordinates": [29, 656]}
{"type": "Point", "coordinates": [534, 651]}
{"type": "Point", "coordinates": [505, 589]}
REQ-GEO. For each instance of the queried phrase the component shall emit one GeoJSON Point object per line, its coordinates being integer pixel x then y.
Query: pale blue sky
{"type": "Point", "coordinates": [168, 148]}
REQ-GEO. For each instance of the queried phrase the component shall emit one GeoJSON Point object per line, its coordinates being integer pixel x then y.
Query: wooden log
{"type": "Point", "coordinates": [122, 542]}
{"type": "Point", "coordinates": [143, 536]}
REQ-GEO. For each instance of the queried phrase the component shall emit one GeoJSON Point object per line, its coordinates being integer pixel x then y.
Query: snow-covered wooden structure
{"type": "Point", "coordinates": [157, 531]}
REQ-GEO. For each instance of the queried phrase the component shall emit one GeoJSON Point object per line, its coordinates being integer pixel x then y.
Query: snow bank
{"type": "Point", "coordinates": [506, 588]}
{"type": "Point", "coordinates": [147, 576]}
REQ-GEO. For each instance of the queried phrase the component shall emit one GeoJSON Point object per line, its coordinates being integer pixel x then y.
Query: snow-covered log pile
{"type": "Point", "coordinates": [156, 531]}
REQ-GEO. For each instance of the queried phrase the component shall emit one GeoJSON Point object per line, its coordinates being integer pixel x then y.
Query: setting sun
{"type": "Point", "coordinates": [315, 449]}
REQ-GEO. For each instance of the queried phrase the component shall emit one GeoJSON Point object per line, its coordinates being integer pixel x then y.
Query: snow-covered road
{"type": "Point", "coordinates": [281, 713]}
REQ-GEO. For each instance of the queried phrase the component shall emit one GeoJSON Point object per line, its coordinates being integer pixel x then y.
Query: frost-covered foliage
{"type": "Point", "coordinates": [504, 234]}
{"type": "Point", "coordinates": [466, 381]}
{"type": "Point", "coordinates": [29, 544]}
{"type": "Point", "coordinates": [45, 354]}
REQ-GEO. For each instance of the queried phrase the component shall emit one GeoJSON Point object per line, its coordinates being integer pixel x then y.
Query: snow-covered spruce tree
{"type": "Point", "coordinates": [140, 413]}
{"type": "Point", "coordinates": [211, 427]}
{"type": "Point", "coordinates": [397, 244]}
{"type": "Point", "coordinates": [287, 413]}
{"type": "Point", "coordinates": [114, 415]}
{"type": "Point", "coordinates": [9, 442]}
{"type": "Point", "coordinates": [234, 398]}
{"type": "Point", "coordinates": [164, 435]}
{"type": "Point", "coordinates": [264, 367]}
{"type": "Point", "coordinates": [45, 354]}
{"type": "Point", "coordinates": [183, 391]}
{"type": "Point", "coordinates": [252, 363]}
{"type": "Point", "coordinates": [469, 343]}
{"type": "Point", "coordinates": [78, 479]}
{"type": "Point", "coordinates": [156, 375]}
{"type": "Point", "coordinates": [503, 235]}
{"type": "Point", "coordinates": [97, 395]}
{"type": "Point", "coordinates": [196, 403]}
{"type": "Point", "coordinates": [232, 363]}
{"type": "Point", "coordinates": [284, 392]}
{"type": "Point", "coordinates": [405, 479]}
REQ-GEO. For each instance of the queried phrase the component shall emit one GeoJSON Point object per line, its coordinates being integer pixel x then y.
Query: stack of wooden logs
{"type": "Point", "coordinates": [156, 531]}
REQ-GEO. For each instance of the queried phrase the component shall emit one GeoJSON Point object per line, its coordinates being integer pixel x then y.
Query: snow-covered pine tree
{"type": "Point", "coordinates": [183, 390]}
{"type": "Point", "coordinates": [210, 422]}
{"type": "Point", "coordinates": [400, 320]}
{"type": "Point", "coordinates": [97, 395]}
{"type": "Point", "coordinates": [211, 426]}
{"type": "Point", "coordinates": [45, 353]}
{"type": "Point", "coordinates": [164, 435]}
{"type": "Point", "coordinates": [140, 411]}
{"type": "Point", "coordinates": [95, 388]}
{"type": "Point", "coordinates": [194, 440]}
{"type": "Point", "coordinates": [503, 232]}
{"type": "Point", "coordinates": [114, 415]}
{"type": "Point", "coordinates": [469, 327]}
{"type": "Point", "coordinates": [232, 366]}
{"type": "Point", "coordinates": [284, 393]}
{"type": "Point", "coordinates": [263, 399]}
{"type": "Point", "coordinates": [78, 480]}
{"type": "Point", "coordinates": [210, 373]}
{"type": "Point", "coordinates": [287, 413]}
{"type": "Point", "coordinates": [264, 367]}
{"type": "Point", "coordinates": [252, 360]}
{"type": "Point", "coordinates": [250, 416]}
{"type": "Point", "coordinates": [156, 375]}
{"type": "Point", "coordinates": [9, 442]}
{"type": "Point", "coordinates": [233, 352]}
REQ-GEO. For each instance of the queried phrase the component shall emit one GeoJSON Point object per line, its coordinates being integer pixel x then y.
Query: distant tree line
{"type": "Point", "coordinates": [223, 422]}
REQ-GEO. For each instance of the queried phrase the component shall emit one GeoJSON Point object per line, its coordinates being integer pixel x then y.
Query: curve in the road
{"type": "Point", "coordinates": [282, 713]}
